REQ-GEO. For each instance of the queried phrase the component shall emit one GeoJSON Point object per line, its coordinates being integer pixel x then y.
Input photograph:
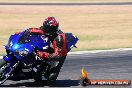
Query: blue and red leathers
{"type": "Point", "coordinates": [58, 43]}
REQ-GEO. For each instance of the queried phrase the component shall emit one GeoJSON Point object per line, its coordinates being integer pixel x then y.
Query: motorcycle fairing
{"type": "Point", "coordinates": [71, 40]}
{"type": "Point", "coordinates": [23, 44]}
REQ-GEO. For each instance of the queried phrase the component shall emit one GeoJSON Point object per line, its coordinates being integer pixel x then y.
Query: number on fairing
{"type": "Point", "coordinates": [46, 39]}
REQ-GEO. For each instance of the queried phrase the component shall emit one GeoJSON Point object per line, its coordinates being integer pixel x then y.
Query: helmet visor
{"type": "Point", "coordinates": [50, 30]}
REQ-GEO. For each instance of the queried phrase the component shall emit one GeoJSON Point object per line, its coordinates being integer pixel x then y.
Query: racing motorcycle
{"type": "Point", "coordinates": [21, 61]}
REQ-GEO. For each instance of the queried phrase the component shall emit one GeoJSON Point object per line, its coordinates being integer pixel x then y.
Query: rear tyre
{"type": "Point", "coordinates": [54, 72]}
{"type": "Point", "coordinates": [51, 74]}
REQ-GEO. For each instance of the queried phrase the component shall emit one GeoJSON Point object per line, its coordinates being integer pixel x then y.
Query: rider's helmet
{"type": "Point", "coordinates": [50, 26]}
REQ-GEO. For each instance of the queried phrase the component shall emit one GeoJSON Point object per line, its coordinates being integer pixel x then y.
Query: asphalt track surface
{"type": "Point", "coordinates": [102, 65]}
{"type": "Point", "coordinates": [70, 4]}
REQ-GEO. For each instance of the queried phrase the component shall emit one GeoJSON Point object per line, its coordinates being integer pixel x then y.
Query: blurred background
{"type": "Point", "coordinates": [97, 26]}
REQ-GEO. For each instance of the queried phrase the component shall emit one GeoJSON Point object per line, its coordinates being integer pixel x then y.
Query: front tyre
{"type": "Point", "coordinates": [6, 70]}
{"type": "Point", "coordinates": [2, 62]}
{"type": "Point", "coordinates": [3, 66]}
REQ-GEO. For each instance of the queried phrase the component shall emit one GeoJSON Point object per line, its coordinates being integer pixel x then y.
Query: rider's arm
{"type": "Point", "coordinates": [33, 30]}
{"type": "Point", "coordinates": [36, 30]}
{"type": "Point", "coordinates": [59, 49]}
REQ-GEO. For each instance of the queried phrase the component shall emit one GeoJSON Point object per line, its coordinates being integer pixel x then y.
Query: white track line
{"type": "Point", "coordinates": [100, 51]}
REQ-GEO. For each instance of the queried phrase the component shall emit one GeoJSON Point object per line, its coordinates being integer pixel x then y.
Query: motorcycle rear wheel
{"type": "Point", "coordinates": [51, 75]}
{"type": "Point", "coordinates": [55, 71]}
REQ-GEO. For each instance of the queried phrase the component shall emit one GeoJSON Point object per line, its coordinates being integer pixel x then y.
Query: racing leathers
{"type": "Point", "coordinates": [57, 49]}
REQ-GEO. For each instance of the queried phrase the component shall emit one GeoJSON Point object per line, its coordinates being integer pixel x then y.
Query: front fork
{"type": "Point", "coordinates": [7, 69]}
{"type": "Point", "coordinates": [8, 58]}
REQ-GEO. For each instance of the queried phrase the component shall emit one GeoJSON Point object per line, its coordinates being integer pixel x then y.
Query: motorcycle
{"type": "Point", "coordinates": [22, 62]}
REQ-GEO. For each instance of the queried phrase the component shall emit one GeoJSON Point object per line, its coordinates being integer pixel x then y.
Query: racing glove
{"type": "Point", "coordinates": [36, 30]}
{"type": "Point", "coordinates": [43, 55]}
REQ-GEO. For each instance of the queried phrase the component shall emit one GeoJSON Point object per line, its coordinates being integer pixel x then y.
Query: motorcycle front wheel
{"type": "Point", "coordinates": [5, 70]}
{"type": "Point", "coordinates": [2, 62]}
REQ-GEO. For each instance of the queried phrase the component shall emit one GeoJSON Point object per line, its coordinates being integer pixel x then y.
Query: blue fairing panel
{"type": "Point", "coordinates": [21, 46]}
{"type": "Point", "coordinates": [71, 40]}
{"type": "Point", "coordinates": [8, 58]}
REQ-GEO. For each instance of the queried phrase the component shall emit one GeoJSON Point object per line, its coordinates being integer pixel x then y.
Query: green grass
{"type": "Point", "coordinates": [65, 0]}
{"type": "Point", "coordinates": [89, 38]}
{"type": "Point", "coordinates": [97, 27]}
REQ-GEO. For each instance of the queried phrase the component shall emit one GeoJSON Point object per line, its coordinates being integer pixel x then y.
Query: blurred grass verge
{"type": "Point", "coordinates": [43, 1]}
{"type": "Point", "coordinates": [97, 27]}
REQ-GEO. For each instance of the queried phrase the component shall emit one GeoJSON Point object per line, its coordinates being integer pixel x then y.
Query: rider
{"type": "Point", "coordinates": [58, 50]}
{"type": "Point", "coordinates": [58, 44]}
{"type": "Point", "coordinates": [57, 39]}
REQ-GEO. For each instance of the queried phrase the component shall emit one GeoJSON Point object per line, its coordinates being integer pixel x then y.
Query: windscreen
{"type": "Point", "coordinates": [26, 37]}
